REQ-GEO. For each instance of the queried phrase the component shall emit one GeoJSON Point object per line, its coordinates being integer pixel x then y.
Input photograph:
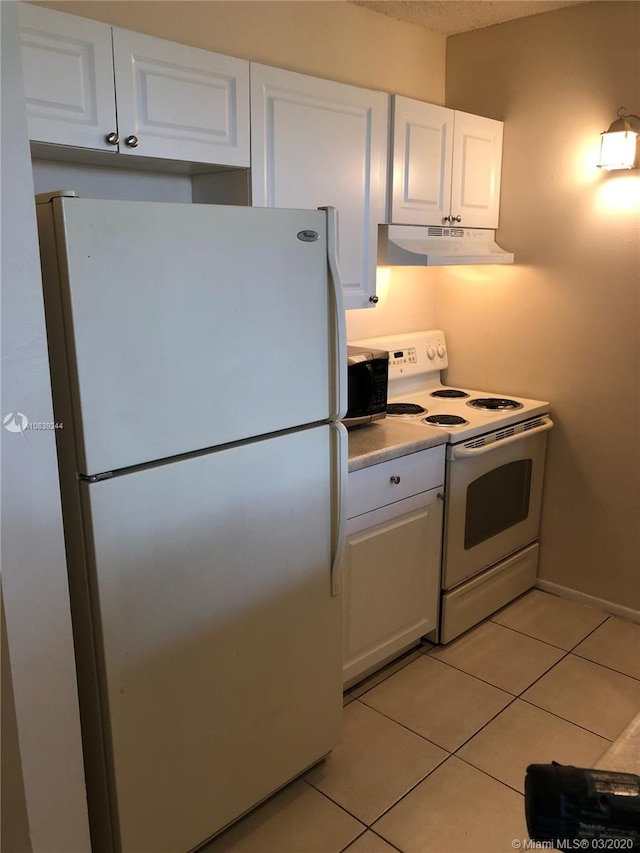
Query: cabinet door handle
{"type": "Point", "coordinates": [132, 141]}
{"type": "Point", "coordinates": [457, 218]}
{"type": "Point", "coordinates": [394, 480]}
{"type": "Point", "coordinates": [112, 138]}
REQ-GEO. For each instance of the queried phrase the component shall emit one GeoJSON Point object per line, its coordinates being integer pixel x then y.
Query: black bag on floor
{"type": "Point", "coordinates": [599, 808]}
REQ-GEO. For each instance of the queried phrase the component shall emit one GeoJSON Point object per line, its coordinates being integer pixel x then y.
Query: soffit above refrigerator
{"type": "Point", "coordinates": [426, 245]}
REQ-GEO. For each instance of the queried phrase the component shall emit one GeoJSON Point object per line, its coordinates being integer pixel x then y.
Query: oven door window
{"type": "Point", "coordinates": [497, 501]}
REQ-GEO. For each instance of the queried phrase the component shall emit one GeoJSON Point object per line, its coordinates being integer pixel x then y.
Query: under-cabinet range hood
{"type": "Point", "coordinates": [427, 245]}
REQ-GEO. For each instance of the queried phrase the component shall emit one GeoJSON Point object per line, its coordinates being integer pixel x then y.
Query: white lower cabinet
{"type": "Point", "coordinates": [391, 563]}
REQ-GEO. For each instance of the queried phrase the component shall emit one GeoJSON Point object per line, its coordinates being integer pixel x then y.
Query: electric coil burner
{"type": "Point", "coordinates": [494, 404]}
{"type": "Point", "coordinates": [449, 393]}
{"type": "Point", "coordinates": [405, 409]}
{"type": "Point", "coordinates": [445, 420]}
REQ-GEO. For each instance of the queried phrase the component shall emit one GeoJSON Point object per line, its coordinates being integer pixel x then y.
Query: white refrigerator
{"type": "Point", "coordinates": [198, 369]}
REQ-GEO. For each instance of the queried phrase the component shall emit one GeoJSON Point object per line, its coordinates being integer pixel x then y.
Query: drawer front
{"type": "Point", "coordinates": [470, 603]}
{"type": "Point", "coordinates": [388, 482]}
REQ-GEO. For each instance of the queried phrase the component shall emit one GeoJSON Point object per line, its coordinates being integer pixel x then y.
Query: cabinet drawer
{"type": "Point", "coordinates": [388, 482]}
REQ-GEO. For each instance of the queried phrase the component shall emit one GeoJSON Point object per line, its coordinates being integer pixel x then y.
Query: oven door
{"type": "Point", "coordinates": [493, 496]}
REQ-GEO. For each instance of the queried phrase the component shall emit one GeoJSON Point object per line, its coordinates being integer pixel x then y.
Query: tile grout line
{"type": "Point", "coordinates": [403, 726]}
{"type": "Point", "coordinates": [368, 829]}
{"type": "Point", "coordinates": [394, 666]}
{"type": "Point", "coordinates": [503, 689]}
{"type": "Point", "coordinates": [357, 838]}
{"type": "Point", "coordinates": [386, 840]}
{"type": "Point", "coordinates": [553, 645]}
{"type": "Point", "coordinates": [578, 725]}
{"type": "Point", "coordinates": [484, 725]}
{"type": "Point", "coordinates": [490, 775]}
{"type": "Point", "coordinates": [409, 791]}
{"type": "Point", "coordinates": [419, 734]}
{"type": "Point", "coordinates": [388, 808]}
{"type": "Point", "coordinates": [341, 807]}
{"type": "Point", "coordinates": [604, 665]}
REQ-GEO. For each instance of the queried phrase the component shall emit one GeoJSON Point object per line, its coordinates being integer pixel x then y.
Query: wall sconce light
{"type": "Point", "coordinates": [618, 143]}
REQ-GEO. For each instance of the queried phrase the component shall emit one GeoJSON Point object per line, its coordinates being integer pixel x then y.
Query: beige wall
{"type": "Point", "coordinates": [563, 323]}
{"type": "Point", "coordinates": [329, 39]}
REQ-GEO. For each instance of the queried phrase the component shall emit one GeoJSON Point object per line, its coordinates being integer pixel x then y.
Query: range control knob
{"type": "Point", "coordinates": [431, 352]}
{"type": "Point", "coordinates": [442, 350]}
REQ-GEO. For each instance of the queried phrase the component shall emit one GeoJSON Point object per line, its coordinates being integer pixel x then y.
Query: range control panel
{"type": "Point", "coordinates": [412, 354]}
{"type": "Point", "coordinates": [400, 358]}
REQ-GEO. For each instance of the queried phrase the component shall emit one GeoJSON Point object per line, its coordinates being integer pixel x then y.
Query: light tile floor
{"type": "Point", "coordinates": [435, 746]}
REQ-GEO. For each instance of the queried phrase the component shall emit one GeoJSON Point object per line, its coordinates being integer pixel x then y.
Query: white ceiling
{"type": "Point", "coordinates": [460, 16]}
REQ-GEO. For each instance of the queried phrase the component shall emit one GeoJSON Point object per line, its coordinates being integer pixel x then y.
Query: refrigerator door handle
{"type": "Point", "coordinates": [340, 343]}
{"type": "Point", "coordinates": [341, 470]}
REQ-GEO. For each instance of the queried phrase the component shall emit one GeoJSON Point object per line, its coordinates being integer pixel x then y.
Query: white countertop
{"type": "Point", "coordinates": [388, 439]}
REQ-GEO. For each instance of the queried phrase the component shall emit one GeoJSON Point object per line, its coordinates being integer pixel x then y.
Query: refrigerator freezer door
{"type": "Point", "coordinates": [190, 326]}
{"type": "Point", "coordinates": [221, 640]}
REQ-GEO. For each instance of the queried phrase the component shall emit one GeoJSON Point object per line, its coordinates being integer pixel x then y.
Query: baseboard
{"type": "Point", "coordinates": [589, 600]}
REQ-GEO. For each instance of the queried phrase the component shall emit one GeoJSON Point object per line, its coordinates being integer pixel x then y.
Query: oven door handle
{"type": "Point", "coordinates": [463, 452]}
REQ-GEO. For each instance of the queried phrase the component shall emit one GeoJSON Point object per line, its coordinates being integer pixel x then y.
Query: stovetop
{"type": "Point", "coordinates": [476, 421]}
{"type": "Point", "coordinates": [415, 364]}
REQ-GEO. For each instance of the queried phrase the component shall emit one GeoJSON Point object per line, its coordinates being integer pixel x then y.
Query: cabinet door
{"type": "Point", "coordinates": [391, 583]}
{"type": "Point", "coordinates": [68, 78]}
{"type": "Point", "coordinates": [179, 102]}
{"type": "Point", "coordinates": [316, 143]}
{"type": "Point", "coordinates": [475, 178]}
{"type": "Point", "coordinates": [422, 158]}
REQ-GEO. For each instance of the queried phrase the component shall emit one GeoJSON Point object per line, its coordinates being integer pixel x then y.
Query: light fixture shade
{"type": "Point", "coordinates": [618, 144]}
{"type": "Point", "coordinates": [618, 150]}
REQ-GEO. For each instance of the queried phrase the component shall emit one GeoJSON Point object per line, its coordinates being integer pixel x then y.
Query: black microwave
{"type": "Point", "coordinates": [368, 377]}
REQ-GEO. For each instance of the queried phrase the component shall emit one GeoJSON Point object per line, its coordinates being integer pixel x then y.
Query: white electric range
{"type": "Point", "coordinates": [495, 455]}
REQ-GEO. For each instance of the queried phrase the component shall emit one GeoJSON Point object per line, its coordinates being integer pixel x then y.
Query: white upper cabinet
{"type": "Point", "coordinates": [179, 102]}
{"type": "Point", "coordinates": [475, 172]}
{"type": "Point", "coordinates": [446, 166]}
{"type": "Point", "coordinates": [68, 78]}
{"type": "Point", "coordinates": [170, 101]}
{"type": "Point", "coordinates": [422, 157]}
{"type": "Point", "coordinates": [318, 143]}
